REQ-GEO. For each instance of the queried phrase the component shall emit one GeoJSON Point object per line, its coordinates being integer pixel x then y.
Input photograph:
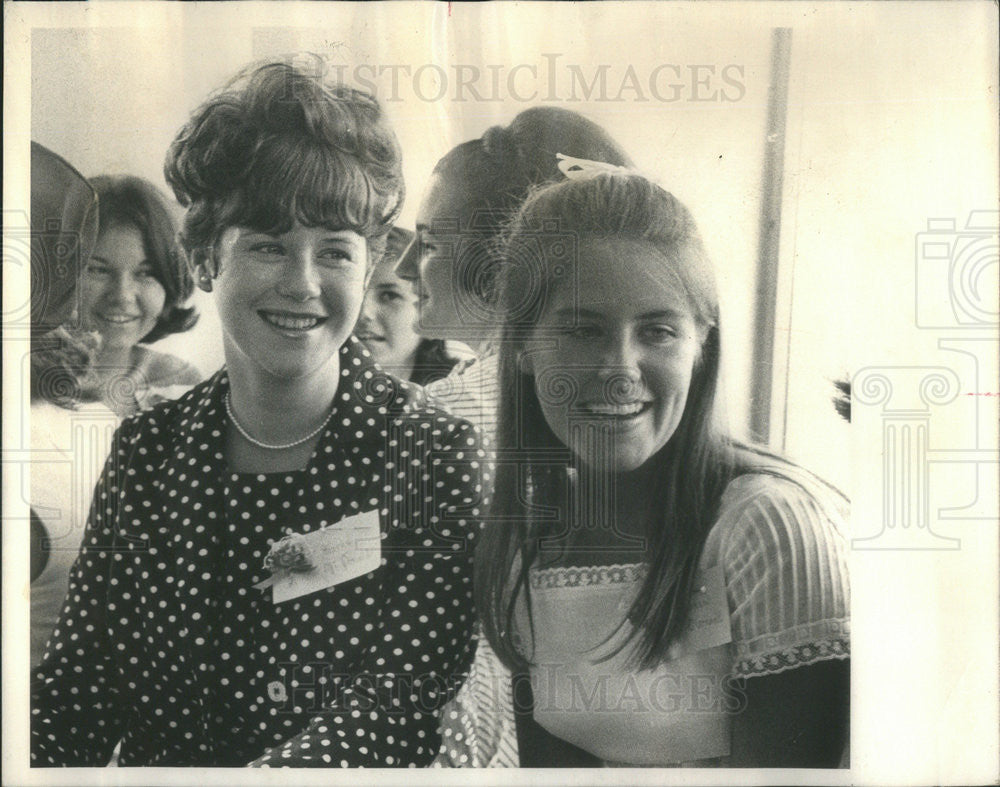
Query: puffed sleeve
{"type": "Point", "coordinates": [387, 715]}
{"type": "Point", "coordinates": [784, 553]}
{"type": "Point", "coordinates": [75, 714]}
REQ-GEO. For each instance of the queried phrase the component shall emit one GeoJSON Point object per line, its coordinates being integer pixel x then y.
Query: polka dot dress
{"type": "Point", "coordinates": [165, 643]}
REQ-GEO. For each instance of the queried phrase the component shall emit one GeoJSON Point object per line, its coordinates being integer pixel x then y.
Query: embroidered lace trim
{"type": "Point", "coordinates": [828, 630]}
{"type": "Point", "coordinates": [583, 576]}
{"type": "Point", "coordinates": [797, 656]}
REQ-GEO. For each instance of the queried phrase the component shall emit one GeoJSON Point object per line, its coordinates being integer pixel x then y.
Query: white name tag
{"type": "Point", "coordinates": [708, 625]}
{"type": "Point", "coordinates": [337, 553]}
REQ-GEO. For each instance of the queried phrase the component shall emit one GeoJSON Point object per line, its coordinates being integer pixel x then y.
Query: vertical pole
{"type": "Point", "coordinates": [765, 304]}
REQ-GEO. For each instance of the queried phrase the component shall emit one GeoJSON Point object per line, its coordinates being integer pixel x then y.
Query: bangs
{"type": "Point", "coordinates": [295, 181]}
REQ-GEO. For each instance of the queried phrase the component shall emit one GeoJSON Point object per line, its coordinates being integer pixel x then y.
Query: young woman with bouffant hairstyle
{"type": "Point", "coordinates": [261, 584]}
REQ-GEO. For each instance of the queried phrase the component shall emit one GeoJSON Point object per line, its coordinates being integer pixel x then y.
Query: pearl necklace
{"type": "Point", "coordinates": [268, 446]}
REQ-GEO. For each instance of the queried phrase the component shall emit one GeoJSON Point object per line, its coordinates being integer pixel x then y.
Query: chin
{"type": "Point", "coordinates": [436, 325]}
{"type": "Point", "coordinates": [618, 462]}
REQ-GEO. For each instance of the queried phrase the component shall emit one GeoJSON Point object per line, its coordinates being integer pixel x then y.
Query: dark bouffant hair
{"type": "Point", "coordinates": [507, 162]}
{"type": "Point", "coordinates": [279, 145]}
{"type": "Point", "coordinates": [129, 201]}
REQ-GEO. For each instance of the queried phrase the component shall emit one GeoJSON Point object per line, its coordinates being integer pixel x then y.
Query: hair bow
{"type": "Point", "coordinates": [581, 168]}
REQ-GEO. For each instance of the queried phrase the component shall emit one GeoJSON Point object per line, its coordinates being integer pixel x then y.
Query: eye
{"type": "Point", "coordinates": [428, 244]}
{"type": "Point", "coordinates": [583, 332]}
{"type": "Point", "coordinates": [145, 273]}
{"type": "Point", "coordinates": [97, 269]}
{"type": "Point", "coordinates": [658, 333]}
{"type": "Point", "coordinates": [334, 254]}
{"type": "Point", "coordinates": [267, 247]}
{"type": "Point", "coordinates": [389, 296]}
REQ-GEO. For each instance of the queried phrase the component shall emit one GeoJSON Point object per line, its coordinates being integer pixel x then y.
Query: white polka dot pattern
{"type": "Point", "coordinates": [164, 643]}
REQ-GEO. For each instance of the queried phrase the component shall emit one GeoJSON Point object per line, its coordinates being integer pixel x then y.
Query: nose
{"type": "Point", "coordinates": [408, 266]}
{"type": "Point", "coordinates": [300, 277]}
{"type": "Point", "coordinates": [123, 290]}
{"type": "Point", "coordinates": [619, 363]}
{"type": "Point", "coordinates": [368, 308]}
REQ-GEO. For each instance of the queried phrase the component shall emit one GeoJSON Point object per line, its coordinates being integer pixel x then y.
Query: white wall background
{"type": "Point", "coordinates": [708, 153]}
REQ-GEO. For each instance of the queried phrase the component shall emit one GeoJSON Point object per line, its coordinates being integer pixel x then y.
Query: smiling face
{"type": "Point", "coordinates": [288, 302]}
{"type": "Point", "coordinates": [388, 317]}
{"type": "Point", "coordinates": [626, 343]}
{"type": "Point", "coordinates": [121, 297]}
{"type": "Point", "coordinates": [443, 260]}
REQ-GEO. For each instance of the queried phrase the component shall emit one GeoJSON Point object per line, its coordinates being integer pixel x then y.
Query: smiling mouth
{"type": "Point", "coordinates": [621, 412]}
{"type": "Point", "coordinates": [292, 322]}
{"type": "Point", "coordinates": [118, 319]}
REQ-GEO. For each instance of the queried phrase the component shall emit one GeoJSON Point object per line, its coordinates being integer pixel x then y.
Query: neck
{"type": "Point", "coordinates": [114, 360]}
{"type": "Point", "coordinates": [617, 503]}
{"type": "Point", "coordinates": [279, 410]}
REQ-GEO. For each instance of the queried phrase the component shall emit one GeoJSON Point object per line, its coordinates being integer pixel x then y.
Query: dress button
{"type": "Point", "coordinates": [276, 691]}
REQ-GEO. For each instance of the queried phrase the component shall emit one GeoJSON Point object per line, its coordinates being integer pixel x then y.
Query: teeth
{"type": "Point", "coordinates": [292, 323]}
{"type": "Point", "coordinates": [117, 319]}
{"type": "Point", "coordinates": [615, 409]}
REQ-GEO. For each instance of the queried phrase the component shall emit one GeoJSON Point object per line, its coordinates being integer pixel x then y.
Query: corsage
{"type": "Point", "coordinates": [289, 555]}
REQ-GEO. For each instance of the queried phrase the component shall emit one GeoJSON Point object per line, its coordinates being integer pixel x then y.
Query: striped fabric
{"type": "Point", "coordinates": [471, 392]}
{"type": "Point", "coordinates": [783, 550]}
{"type": "Point", "coordinates": [477, 726]}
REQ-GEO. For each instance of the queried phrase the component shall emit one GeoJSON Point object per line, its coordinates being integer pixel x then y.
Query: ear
{"type": "Point", "coordinates": [200, 265]}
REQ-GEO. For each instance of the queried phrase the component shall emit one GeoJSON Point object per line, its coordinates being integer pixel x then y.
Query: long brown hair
{"type": "Point", "coordinates": [695, 466]}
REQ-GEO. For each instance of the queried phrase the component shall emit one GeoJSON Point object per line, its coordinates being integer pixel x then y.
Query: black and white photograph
{"type": "Point", "coordinates": [544, 389]}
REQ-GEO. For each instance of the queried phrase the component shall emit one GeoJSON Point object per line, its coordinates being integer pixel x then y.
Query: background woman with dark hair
{"type": "Point", "coordinates": [473, 192]}
{"type": "Point", "coordinates": [666, 596]}
{"type": "Point", "coordinates": [133, 292]}
{"type": "Point", "coordinates": [389, 318]}
{"type": "Point", "coordinates": [277, 570]}
{"type": "Point", "coordinates": [63, 206]}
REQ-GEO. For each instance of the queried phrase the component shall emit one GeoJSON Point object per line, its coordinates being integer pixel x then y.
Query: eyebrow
{"type": "Point", "coordinates": [324, 239]}
{"type": "Point", "coordinates": [572, 311]}
{"type": "Point", "coordinates": [106, 261]}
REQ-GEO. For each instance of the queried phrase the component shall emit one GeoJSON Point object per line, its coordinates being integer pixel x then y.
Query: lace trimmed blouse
{"type": "Point", "coordinates": [773, 594]}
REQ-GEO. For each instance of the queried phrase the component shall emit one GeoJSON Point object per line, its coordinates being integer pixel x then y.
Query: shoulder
{"type": "Point", "coordinates": [475, 376]}
{"type": "Point", "coordinates": [164, 369]}
{"type": "Point", "coordinates": [415, 406]}
{"type": "Point", "coordinates": [168, 419]}
{"type": "Point", "coordinates": [781, 543]}
{"type": "Point", "coordinates": [777, 517]}
{"type": "Point", "coordinates": [471, 392]}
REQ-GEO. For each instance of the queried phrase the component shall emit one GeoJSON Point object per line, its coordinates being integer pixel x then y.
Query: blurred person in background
{"type": "Point", "coordinates": [473, 192]}
{"type": "Point", "coordinates": [133, 292]}
{"type": "Point", "coordinates": [388, 324]}
{"type": "Point", "coordinates": [63, 231]}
